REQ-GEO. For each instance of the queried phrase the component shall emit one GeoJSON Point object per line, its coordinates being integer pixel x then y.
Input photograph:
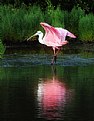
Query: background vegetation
{"type": "Point", "coordinates": [19, 19]}
{"type": "Point", "coordinates": [2, 49]}
{"type": "Point", "coordinates": [87, 5]}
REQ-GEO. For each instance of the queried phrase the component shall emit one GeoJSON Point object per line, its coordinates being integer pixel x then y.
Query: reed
{"type": "Point", "coordinates": [2, 49]}
{"type": "Point", "coordinates": [57, 17]}
{"type": "Point", "coordinates": [32, 20]}
{"type": "Point", "coordinates": [53, 16]}
{"type": "Point", "coordinates": [86, 28]}
{"type": "Point", "coordinates": [17, 24]}
{"type": "Point", "coordinates": [71, 19]}
{"type": "Point", "coordinates": [6, 25]}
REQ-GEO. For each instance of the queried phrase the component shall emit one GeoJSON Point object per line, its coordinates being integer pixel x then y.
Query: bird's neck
{"type": "Point", "coordinates": [41, 38]}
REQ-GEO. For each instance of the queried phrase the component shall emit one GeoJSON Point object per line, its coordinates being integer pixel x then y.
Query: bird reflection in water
{"type": "Point", "coordinates": [52, 96]}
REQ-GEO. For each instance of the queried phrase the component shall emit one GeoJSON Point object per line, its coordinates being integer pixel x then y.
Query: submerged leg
{"type": "Point", "coordinates": [55, 55]}
{"type": "Point", "coordinates": [54, 58]}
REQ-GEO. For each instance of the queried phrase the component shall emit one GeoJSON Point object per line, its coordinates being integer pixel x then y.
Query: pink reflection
{"type": "Point", "coordinates": [52, 97]}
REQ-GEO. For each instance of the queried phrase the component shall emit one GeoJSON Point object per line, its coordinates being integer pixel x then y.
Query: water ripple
{"type": "Point", "coordinates": [35, 59]}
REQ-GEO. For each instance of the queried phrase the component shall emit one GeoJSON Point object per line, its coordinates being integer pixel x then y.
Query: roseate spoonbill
{"type": "Point", "coordinates": [54, 37]}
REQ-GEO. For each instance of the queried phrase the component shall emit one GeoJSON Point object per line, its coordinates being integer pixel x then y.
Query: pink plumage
{"type": "Point", "coordinates": [55, 37]}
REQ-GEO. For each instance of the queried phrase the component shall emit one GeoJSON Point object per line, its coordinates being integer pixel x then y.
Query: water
{"type": "Point", "coordinates": [33, 90]}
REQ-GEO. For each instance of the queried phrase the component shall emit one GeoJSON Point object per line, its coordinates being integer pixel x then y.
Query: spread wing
{"type": "Point", "coordinates": [55, 36]}
{"type": "Point", "coordinates": [52, 36]}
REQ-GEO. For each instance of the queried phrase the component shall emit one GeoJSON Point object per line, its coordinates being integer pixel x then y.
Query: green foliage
{"type": "Point", "coordinates": [82, 25]}
{"type": "Point", "coordinates": [86, 28]}
{"type": "Point", "coordinates": [71, 19]}
{"type": "Point", "coordinates": [55, 17]}
{"type": "Point", "coordinates": [6, 25]}
{"type": "Point", "coordinates": [16, 24]}
{"type": "Point", "coordinates": [33, 18]}
{"type": "Point", "coordinates": [2, 49]}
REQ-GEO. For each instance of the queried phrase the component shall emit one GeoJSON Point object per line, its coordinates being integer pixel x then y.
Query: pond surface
{"type": "Point", "coordinates": [33, 90]}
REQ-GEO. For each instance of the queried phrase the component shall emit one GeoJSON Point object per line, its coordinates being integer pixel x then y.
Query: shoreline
{"type": "Point", "coordinates": [26, 44]}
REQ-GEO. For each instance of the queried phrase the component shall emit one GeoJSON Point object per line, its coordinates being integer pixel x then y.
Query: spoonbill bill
{"type": "Point", "coordinates": [54, 37]}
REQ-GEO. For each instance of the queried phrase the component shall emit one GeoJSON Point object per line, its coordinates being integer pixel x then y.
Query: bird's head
{"type": "Point", "coordinates": [38, 33]}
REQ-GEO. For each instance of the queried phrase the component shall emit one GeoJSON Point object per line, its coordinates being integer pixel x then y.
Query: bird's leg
{"type": "Point", "coordinates": [54, 57]}
{"type": "Point", "coordinates": [57, 52]}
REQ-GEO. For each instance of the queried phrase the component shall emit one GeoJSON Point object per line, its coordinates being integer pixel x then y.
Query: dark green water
{"type": "Point", "coordinates": [33, 90]}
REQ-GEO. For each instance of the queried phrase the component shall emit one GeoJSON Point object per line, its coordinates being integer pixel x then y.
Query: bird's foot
{"type": "Point", "coordinates": [52, 63]}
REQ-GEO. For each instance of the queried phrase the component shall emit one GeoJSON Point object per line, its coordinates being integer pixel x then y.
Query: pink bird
{"type": "Point", "coordinates": [54, 37]}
